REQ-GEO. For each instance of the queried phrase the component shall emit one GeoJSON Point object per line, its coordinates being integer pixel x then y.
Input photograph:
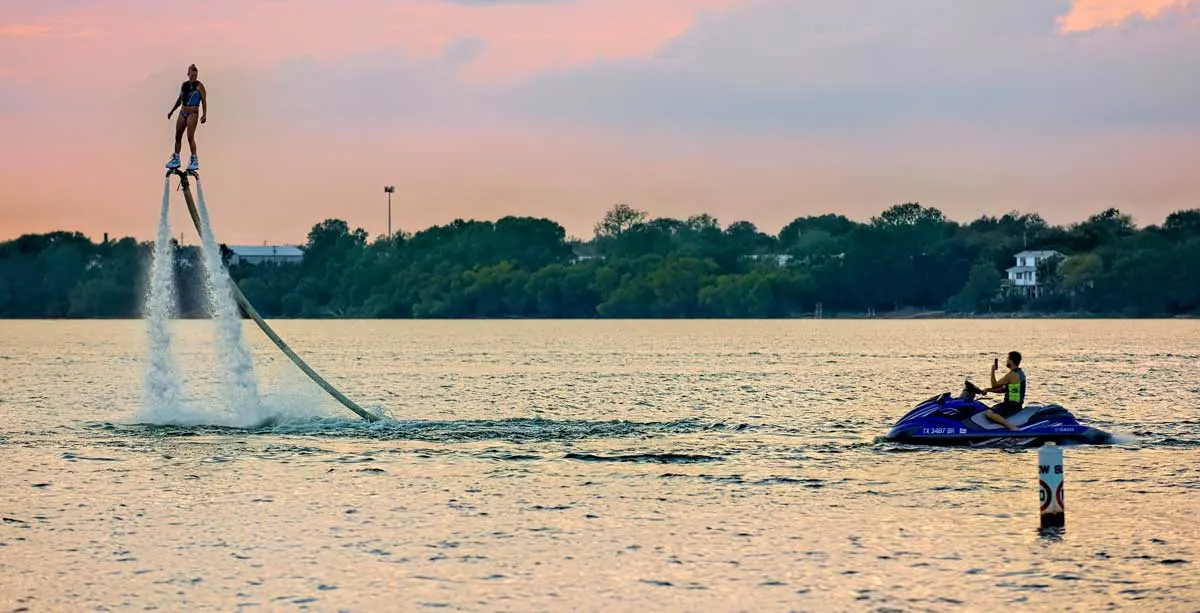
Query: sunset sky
{"type": "Point", "coordinates": [746, 109]}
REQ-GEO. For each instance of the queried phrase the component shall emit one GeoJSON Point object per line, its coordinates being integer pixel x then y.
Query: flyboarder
{"type": "Point", "coordinates": [192, 96]}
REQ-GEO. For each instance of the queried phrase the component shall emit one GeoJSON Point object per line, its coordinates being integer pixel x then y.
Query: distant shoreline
{"type": "Point", "coordinates": [909, 262]}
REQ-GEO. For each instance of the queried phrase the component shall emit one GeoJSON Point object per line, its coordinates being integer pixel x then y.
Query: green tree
{"type": "Point", "coordinates": [981, 291]}
{"type": "Point", "coordinates": [618, 220]}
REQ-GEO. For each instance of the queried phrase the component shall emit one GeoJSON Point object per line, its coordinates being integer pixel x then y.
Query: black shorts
{"type": "Point", "coordinates": [1007, 408]}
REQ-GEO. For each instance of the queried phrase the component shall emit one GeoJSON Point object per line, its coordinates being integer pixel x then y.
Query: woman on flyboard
{"type": "Point", "coordinates": [192, 97]}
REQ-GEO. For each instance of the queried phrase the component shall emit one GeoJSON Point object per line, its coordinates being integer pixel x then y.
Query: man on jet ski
{"type": "Point", "coordinates": [1012, 385]}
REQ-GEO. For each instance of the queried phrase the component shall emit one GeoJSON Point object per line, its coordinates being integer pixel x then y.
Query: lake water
{"type": "Point", "coordinates": [593, 466]}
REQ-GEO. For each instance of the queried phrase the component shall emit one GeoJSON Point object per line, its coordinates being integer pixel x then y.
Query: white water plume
{"type": "Point", "coordinates": [161, 392]}
{"type": "Point", "coordinates": [233, 354]}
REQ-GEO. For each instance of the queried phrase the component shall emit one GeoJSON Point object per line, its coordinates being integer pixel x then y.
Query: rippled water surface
{"type": "Point", "coordinates": [593, 466]}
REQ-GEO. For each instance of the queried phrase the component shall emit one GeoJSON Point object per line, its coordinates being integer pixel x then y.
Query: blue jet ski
{"type": "Point", "coordinates": [947, 420]}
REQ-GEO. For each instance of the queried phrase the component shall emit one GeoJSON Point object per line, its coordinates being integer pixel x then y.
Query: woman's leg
{"type": "Point", "coordinates": [192, 120]}
{"type": "Point", "coordinates": [180, 126]}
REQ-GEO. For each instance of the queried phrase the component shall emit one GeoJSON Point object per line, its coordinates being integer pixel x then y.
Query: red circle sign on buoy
{"type": "Point", "coordinates": [1045, 494]}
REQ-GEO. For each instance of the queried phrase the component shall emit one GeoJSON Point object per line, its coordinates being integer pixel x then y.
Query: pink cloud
{"type": "Point", "coordinates": [520, 38]}
{"type": "Point", "coordinates": [526, 38]}
{"type": "Point", "coordinates": [1093, 14]}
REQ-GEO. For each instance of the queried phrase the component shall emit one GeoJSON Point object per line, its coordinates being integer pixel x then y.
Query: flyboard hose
{"type": "Point", "coordinates": [249, 309]}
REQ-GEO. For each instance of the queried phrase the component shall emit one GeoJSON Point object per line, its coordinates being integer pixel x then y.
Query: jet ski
{"type": "Point", "coordinates": [949, 420]}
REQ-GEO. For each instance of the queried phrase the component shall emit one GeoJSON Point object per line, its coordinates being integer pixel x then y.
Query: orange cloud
{"type": "Point", "coordinates": [1092, 14]}
{"type": "Point", "coordinates": [24, 30]}
{"type": "Point", "coordinates": [30, 30]}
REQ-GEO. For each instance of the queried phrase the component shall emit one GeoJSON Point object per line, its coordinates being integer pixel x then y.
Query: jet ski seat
{"type": "Point", "coordinates": [1019, 419]}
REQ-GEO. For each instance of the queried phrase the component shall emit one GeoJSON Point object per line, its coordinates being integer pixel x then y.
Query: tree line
{"type": "Point", "coordinates": [909, 256]}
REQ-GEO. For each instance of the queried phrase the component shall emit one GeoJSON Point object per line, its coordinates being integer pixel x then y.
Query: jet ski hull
{"type": "Point", "coordinates": [1083, 435]}
{"type": "Point", "coordinates": [949, 421]}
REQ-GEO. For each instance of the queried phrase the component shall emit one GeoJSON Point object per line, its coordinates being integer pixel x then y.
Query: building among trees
{"type": "Point", "coordinates": [1023, 278]}
{"type": "Point", "coordinates": [257, 254]}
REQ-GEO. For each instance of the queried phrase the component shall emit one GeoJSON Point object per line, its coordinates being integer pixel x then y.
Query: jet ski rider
{"type": "Point", "coordinates": [1012, 385]}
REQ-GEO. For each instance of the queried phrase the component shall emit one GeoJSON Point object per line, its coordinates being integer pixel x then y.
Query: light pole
{"type": "Point", "coordinates": [389, 190]}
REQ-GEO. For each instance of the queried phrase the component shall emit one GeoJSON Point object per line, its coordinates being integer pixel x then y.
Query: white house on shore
{"type": "Point", "coordinates": [257, 254]}
{"type": "Point", "coordinates": [1023, 276]}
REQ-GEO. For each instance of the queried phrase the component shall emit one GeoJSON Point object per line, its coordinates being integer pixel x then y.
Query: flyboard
{"type": "Point", "coordinates": [186, 186]}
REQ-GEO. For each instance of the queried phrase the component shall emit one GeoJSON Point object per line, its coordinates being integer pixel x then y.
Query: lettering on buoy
{"type": "Point", "coordinates": [1050, 486]}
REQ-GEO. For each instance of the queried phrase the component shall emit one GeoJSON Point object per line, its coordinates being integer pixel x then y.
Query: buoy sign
{"type": "Point", "coordinates": [1050, 486]}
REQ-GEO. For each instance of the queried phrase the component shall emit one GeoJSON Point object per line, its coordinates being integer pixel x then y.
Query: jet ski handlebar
{"type": "Point", "coordinates": [970, 390]}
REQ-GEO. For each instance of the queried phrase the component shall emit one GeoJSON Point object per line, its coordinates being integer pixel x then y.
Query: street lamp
{"type": "Point", "coordinates": [389, 190]}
